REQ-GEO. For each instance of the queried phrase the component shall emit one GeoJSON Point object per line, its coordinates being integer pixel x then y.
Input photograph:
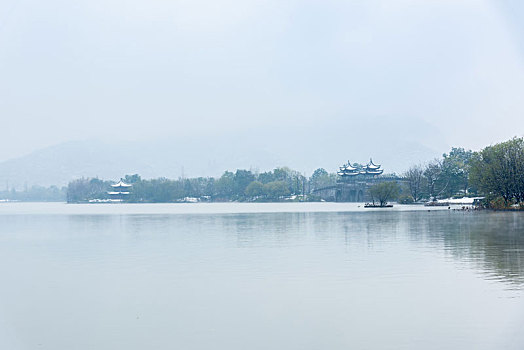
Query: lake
{"type": "Point", "coordinates": [259, 276]}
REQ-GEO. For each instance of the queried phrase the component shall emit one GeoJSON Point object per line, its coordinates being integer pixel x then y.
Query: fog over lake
{"type": "Point", "coordinates": [259, 276]}
{"type": "Point", "coordinates": [428, 74]}
{"type": "Point", "coordinates": [207, 148]}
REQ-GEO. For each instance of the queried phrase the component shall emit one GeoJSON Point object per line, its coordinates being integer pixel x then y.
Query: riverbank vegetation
{"type": "Point", "coordinates": [443, 177]}
{"type": "Point", "coordinates": [241, 185]}
{"type": "Point", "coordinates": [35, 194]}
{"type": "Point", "coordinates": [496, 172]}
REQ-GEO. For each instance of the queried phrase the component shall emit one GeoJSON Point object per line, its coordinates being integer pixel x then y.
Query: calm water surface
{"type": "Point", "coordinates": [259, 276]}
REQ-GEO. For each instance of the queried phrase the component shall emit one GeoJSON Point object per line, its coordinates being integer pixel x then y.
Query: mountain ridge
{"type": "Point", "coordinates": [304, 148]}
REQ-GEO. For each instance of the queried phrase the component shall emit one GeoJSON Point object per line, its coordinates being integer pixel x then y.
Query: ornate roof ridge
{"type": "Point", "coordinates": [121, 184]}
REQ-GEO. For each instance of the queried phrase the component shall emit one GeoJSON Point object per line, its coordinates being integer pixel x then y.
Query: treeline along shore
{"type": "Point", "coordinates": [495, 173]}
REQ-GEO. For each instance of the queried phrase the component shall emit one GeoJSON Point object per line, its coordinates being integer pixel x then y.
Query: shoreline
{"type": "Point", "coordinates": [63, 208]}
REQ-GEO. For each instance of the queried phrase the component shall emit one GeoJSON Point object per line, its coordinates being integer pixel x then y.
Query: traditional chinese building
{"type": "Point", "coordinates": [356, 171]}
{"type": "Point", "coordinates": [121, 190]}
{"type": "Point", "coordinates": [354, 181]}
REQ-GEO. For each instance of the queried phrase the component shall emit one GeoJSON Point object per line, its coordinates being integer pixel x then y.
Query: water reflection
{"type": "Point", "coordinates": [492, 243]}
{"type": "Point", "coordinates": [332, 279]}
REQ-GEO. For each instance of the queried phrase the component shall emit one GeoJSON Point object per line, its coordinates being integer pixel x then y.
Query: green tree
{"type": "Point", "coordinates": [266, 177]}
{"type": "Point", "coordinates": [455, 171]}
{"type": "Point", "coordinates": [255, 189]}
{"type": "Point", "coordinates": [319, 173]}
{"type": "Point", "coordinates": [276, 189]}
{"type": "Point", "coordinates": [499, 170]}
{"type": "Point", "coordinates": [297, 182]}
{"type": "Point", "coordinates": [241, 180]}
{"type": "Point", "coordinates": [384, 192]}
{"type": "Point", "coordinates": [321, 178]}
{"type": "Point", "coordinates": [82, 190]}
{"type": "Point", "coordinates": [224, 185]}
{"type": "Point", "coordinates": [436, 183]}
{"type": "Point", "coordinates": [132, 179]}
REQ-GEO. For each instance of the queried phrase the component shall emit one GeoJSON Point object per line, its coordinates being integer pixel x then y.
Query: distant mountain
{"type": "Point", "coordinates": [303, 148]}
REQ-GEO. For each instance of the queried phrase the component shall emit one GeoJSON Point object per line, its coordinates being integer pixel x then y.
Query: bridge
{"type": "Point", "coordinates": [354, 181]}
{"type": "Point", "coordinates": [353, 191]}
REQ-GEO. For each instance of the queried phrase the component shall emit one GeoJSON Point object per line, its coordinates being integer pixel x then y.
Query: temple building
{"type": "Point", "coordinates": [354, 181]}
{"type": "Point", "coordinates": [360, 172]}
{"type": "Point", "coordinates": [372, 169]}
{"type": "Point", "coordinates": [120, 191]}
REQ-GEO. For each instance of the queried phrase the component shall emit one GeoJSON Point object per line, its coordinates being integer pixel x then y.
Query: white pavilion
{"type": "Point", "coordinates": [120, 191]}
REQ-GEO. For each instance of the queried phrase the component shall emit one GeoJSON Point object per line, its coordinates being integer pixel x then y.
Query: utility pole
{"type": "Point", "coordinates": [304, 187]}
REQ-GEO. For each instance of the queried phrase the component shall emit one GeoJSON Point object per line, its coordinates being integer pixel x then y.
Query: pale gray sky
{"type": "Point", "coordinates": [157, 68]}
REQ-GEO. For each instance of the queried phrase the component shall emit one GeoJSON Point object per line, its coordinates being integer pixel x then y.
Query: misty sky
{"type": "Point", "coordinates": [162, 68]}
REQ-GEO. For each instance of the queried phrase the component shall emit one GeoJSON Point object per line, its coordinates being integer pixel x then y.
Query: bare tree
{"type": "Point", "coordinates": [415, 176]}
{"type": "Point", "coordinates": [437, 183]}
